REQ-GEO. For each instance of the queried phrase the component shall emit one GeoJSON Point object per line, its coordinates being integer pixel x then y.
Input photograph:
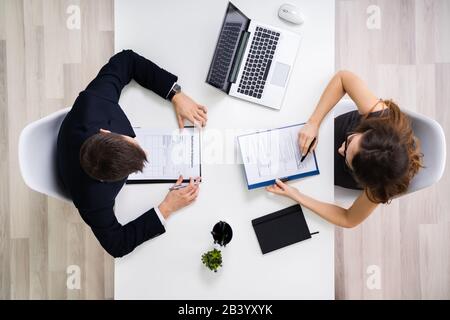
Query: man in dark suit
{"type": "Point", "coordinates": [97, 151]}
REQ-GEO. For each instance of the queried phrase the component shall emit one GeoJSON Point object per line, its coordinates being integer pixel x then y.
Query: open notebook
{"type": "Point", "coordinates": [272, 154]}
{"type": "Point", "coordinates": [170, 153]}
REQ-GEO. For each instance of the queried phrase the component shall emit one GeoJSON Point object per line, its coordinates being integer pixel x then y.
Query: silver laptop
{"type": "Point", "coordinates": [253, 61]}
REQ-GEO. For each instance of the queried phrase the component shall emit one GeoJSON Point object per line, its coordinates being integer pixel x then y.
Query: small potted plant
{"type": "Point", "coordinates": [212, 259]}
{"type": "Point", "coordinates": [222, 234]}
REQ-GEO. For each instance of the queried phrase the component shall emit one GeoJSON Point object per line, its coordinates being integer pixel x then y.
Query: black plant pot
{"type": "Point", "coordinates": [222, 233]}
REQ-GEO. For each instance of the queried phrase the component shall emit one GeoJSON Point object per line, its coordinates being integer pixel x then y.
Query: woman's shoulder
{"type": "Point", "coordinates": [380, 108]}
{"type": "Point", "coordinates": [348, 120]}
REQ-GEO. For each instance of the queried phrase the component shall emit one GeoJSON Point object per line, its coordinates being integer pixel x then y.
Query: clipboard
{"type": "Point", "coordinates": [287, 156]}
{"type": "Point", "coordinates": [161, 146]}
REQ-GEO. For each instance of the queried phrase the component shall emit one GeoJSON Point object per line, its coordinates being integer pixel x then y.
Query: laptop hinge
{"type": "Point", "coordinates": [238, 58]}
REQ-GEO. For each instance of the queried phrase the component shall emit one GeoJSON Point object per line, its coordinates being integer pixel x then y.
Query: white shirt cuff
{"type": "Point", "coordinates": [160, 216]}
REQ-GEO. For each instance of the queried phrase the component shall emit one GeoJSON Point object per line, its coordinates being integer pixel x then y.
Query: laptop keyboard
{"type": "Point", "coordinates": [258, 62]}
{"type": "Point", "coordinates": [224, 54]}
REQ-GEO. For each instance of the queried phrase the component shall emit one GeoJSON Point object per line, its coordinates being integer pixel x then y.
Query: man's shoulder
{"type": "Point", "coordinates": [91, 195]}
{"type": "Point", "coordinates": [89, 104]}
{"type": "Point", "coordinates": [89, 112]}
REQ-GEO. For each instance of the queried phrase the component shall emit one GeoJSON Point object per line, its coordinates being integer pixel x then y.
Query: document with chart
{"type": "Point", "coordinates": [272, 154]}
{"type": "Point", "coordinates": [170, 153]}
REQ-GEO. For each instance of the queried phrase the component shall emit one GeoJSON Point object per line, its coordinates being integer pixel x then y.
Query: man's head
{"type": "Point", "coordinates": [108, 156]}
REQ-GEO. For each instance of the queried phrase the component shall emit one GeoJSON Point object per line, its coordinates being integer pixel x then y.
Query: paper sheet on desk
{"type": "Point", "coordinates": [272, 154]}
{"type": "Point", "coordinates": [169, 154]}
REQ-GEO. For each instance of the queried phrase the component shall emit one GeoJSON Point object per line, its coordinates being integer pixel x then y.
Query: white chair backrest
{"type": "Point", "coordinates": [432, 142]}
{"type": "Point", "coordinates": [37, 155]}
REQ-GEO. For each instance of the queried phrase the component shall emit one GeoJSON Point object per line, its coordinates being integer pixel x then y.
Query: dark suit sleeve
{"type": "Point", "coordinates": [125, 66]}
{"type": "Point", "coordinates": [119, 240]}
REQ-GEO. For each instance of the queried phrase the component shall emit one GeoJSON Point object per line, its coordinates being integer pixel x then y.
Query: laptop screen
{"type": "Point", "coordinates": [234, 23]}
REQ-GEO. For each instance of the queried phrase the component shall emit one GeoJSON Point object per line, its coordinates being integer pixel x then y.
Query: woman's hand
{"type": "Point", "coordinates": [186, 108]}
{"type": "Point", "coordinates": [284, 189]}
{"type": "Point", "coordinates": [306, 135]}
{"type": "Point", "coordinates": [177, 199]}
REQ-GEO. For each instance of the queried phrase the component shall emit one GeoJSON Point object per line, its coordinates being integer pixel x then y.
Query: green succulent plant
{"type": "Point", "coordinates": [212, 259]}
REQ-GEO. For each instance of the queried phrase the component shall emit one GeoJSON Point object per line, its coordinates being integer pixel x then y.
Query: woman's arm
{"type": "Point", "coordinates": [346, 218]}
{"type": "Point", "coordinates": [343, 82]}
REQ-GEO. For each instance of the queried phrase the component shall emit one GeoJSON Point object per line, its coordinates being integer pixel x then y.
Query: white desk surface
{"type": "Point", "coordinates": [181, 36]}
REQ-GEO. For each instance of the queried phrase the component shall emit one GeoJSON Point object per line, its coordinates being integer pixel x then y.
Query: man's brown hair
{"type": "Point", "coordinates": [110, 157]}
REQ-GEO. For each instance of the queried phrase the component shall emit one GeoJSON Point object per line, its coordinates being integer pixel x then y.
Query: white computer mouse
{"type": "Point", "coordinates": [290, 13]}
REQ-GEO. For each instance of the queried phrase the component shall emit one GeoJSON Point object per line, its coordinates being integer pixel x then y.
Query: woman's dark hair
{"type": "Point", "coordinates": [110, 157]}
{"type": "Point", "coordinates": [389, 154]}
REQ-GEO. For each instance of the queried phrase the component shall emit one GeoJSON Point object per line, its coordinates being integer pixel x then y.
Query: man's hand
{"type": "Point", "coordinates": [177, 199]}
{"type": "Point", "coordinates": [186, 108]}
{"type": "Point", "coordinates": [284, 189]}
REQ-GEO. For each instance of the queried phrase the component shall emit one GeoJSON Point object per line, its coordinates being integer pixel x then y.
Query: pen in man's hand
{"type": "Point", "coordinates": [181, 186]}
{"type": "Point", "coordinates": [309, 148]}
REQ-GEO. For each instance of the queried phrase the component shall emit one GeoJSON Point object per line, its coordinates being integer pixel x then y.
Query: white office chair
{"type": "Point", "coordinates": [37, 155]}
{"type": "Point", "coordinates": [432, 140]}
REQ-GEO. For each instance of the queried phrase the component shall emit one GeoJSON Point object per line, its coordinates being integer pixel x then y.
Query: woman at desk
{"type": "Point", "coordinates": [375, 151]}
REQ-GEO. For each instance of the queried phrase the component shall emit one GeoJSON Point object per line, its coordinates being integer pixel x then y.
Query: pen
{"type": "Point", "coordinates": [181, 186]}
{"type": "Point", "coordinates": [309, 148]}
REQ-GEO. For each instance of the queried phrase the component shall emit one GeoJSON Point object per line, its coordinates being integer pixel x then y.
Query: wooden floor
{"type": "Point", "coordinates": [43, 66]}
{"type": "Point", "coordinates": [408, 60]}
